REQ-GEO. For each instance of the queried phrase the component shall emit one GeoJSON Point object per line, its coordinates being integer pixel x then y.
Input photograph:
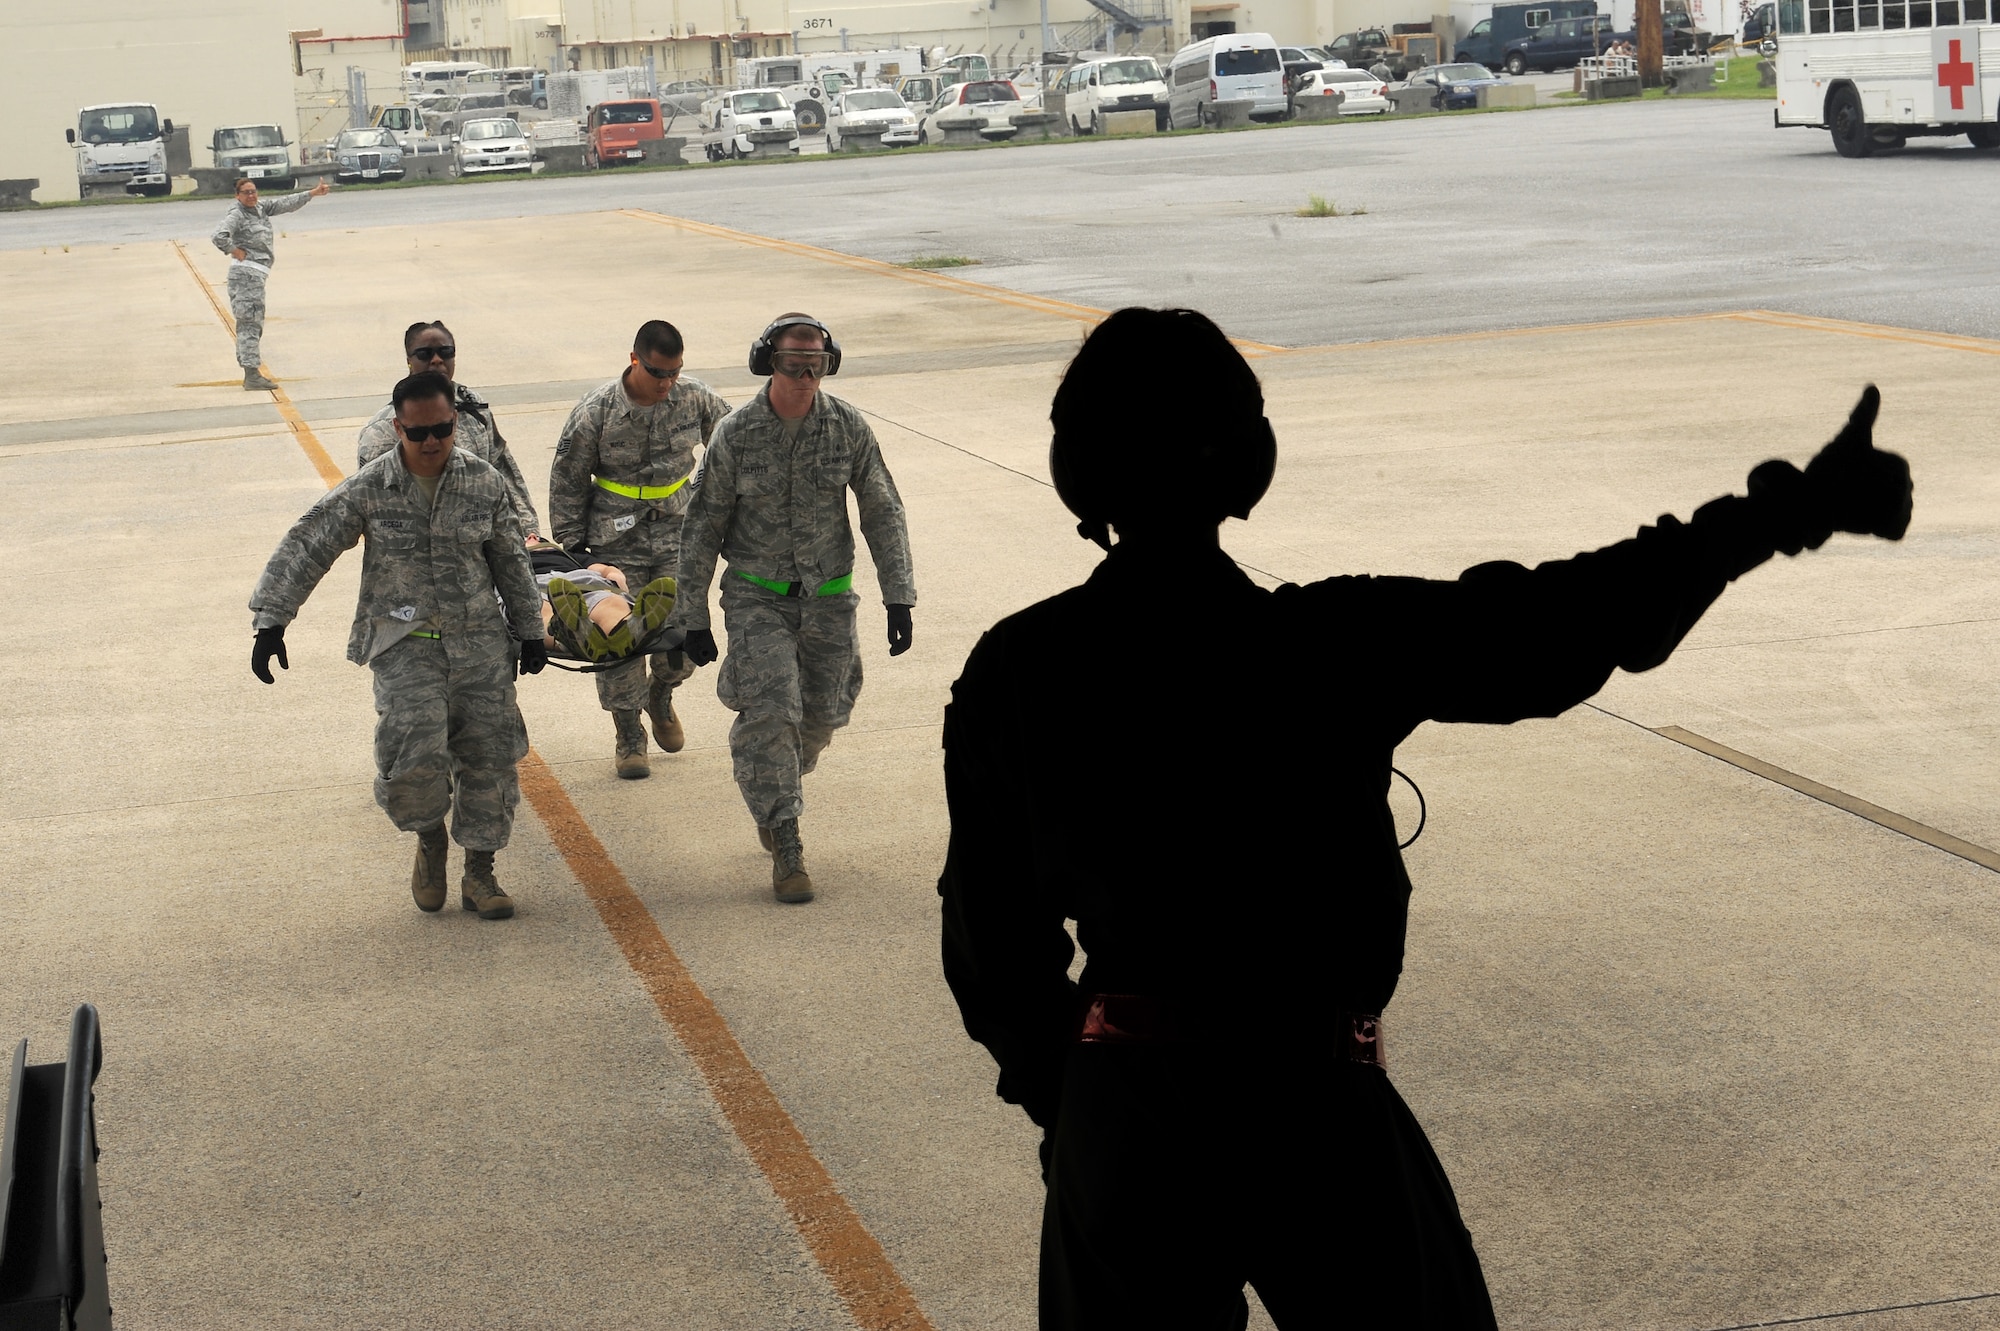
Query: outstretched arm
{"type": "Point", "coordinates": [711, 501]}
{"type": "Point", "coordinates": [1504, 642]}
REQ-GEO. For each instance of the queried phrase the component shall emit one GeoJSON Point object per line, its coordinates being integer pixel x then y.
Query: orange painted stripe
{"type": "Point", "coordinates": [853, 1261]}
{"type": "Point", "coordinates": [851, 1258]}
{"type": "Point", "coordinates": [1981, 346]}
{"type": "Point", "coordinates": [308, 442]}
{"type": "Point", "coordinates": [1061, 309]}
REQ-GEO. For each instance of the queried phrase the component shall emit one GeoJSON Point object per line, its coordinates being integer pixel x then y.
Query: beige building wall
{"type": "Point", "coordinates": [685, 38]}
{"type": "Point", "coordinates": [1010, 30]}
{"type": "Point", "coordinates": [204, 63]}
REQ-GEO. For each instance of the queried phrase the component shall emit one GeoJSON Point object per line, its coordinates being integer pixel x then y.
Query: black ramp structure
{"type": "Point", "coordinates": [51, 1229]}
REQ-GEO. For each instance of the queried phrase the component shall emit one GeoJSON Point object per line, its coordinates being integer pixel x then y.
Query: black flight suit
{"type": "Point", "coordinates": [1228, 851]}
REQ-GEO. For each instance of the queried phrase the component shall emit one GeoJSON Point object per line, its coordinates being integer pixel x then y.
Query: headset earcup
{"type": "Point", "coordinates": [833, 365]}
{"type": "Point", "coordinates": [760, 357]}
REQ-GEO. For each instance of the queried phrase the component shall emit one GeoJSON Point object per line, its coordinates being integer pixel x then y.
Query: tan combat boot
{"type": "Point", "coordinates": [479, 891]}
{"type": "Point", "coordinates": [427, 880]}
{"type": "Point", "coordinates": [789, 882]}
{"type": "Point", "coordinates": [631, 752]}
{"type": "Point", "coordinates": [667, 732]}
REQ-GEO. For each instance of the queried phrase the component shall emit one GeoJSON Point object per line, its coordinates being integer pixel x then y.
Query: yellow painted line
{"type": "Point", "coordinates": [1061, 309]}
{"type": "Point", "coordinates": [854, 1263]}
{"type": "Point", "coordinates": [308, 441]}
{"type": "Point", "coordinates": [1839, 799]}
{"type": "Point", "coordinates": [1981, 346]}
{"type": "Point", "coordinates": [850, 1257]}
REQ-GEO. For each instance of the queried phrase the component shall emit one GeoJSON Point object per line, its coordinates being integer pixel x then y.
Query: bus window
{"type": "Point", "coordinates": [1947, 13]}
{"type": "Point", "coordinates": [1920, 13]}
{"type": "Point", "coordinates": [1892, 13]}
{"type": "Point", "coordinates": [1843, 16]}
{"type": "Point", "coordinates": [1791, 17]}
{"type": "Point", "coordinates": [1975, 11]}
{"type": "Point", "coordinates": [1822, 15]}
{"type": "Point", "coordinates": [1868, 15]}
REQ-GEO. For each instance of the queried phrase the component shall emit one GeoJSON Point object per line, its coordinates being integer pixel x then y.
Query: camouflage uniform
{"type": "Point", "coordinates": [249, 230]}
{"type": "Point", "coordinates": [477, 433]}
{"type": "Point", "coordinates": [609, 437]}
{"type": "Point", "coordinates": [447, 728]}
{"type": "Point", "coordinates": [778, 511]}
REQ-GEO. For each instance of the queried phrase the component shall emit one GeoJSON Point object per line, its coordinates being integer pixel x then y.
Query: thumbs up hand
{"type": "Point", "coordinates": [1856, 487]}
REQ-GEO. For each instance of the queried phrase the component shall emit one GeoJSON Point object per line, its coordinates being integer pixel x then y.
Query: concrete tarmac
{"type": "Point", "coordinates": [1696, 1049]}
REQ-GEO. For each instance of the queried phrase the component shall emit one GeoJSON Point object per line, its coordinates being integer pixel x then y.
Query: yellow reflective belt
{"type": "Point", "coordinates": [638, 491]}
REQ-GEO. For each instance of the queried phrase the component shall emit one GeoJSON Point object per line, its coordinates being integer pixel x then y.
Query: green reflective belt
{"type": "Point", "coordinates": [639, 491]}
{"type": "Point", "coordinates": [422, 633]}
{"type": "Point", "coordinates": [831, 587]}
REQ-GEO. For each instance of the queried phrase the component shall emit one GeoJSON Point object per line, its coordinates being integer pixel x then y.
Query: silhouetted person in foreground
{"type": "Point", "coordinates": [1196, 771]}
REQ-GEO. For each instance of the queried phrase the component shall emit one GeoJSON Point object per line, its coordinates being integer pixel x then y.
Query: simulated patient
{"type": "Point", "coordinates": [587, 609]}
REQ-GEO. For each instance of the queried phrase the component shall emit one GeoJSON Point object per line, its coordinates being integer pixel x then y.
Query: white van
{"type": "Point", "coordinates": [1243, 66]}
{"type": "Point", "coordinates": [1092, 89]}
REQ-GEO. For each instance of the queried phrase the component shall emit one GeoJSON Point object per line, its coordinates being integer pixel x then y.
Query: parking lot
{"type": "Point", "coordinates": [1699, 1050]}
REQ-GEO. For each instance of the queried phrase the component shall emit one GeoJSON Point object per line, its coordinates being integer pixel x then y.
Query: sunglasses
{"type": "Point", "coordinates": [659, 374]}
{"type": "Point", "coordinates": [417, 434]}
{"type": "Point", "coordinates": [429, 354]}
{"type": "Point", "coordinates": [799, 364]}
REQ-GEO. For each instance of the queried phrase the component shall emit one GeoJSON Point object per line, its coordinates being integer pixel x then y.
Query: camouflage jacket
{"type": "Point", "coordinates": [477, 433]}
{"type": "Point", "coordinates": [423, 564]}
{"type": "Point", "coordinates": [779, 510]}
{"type": "Point", "coordinates": [249, 229]}
{"type": "Point", "coordinates": [610, 436]}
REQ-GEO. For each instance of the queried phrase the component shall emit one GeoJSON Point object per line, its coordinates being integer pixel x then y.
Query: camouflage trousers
{"type": "Point", "coordinates": [626, 689]}
{"type": "Point", "coordinates": [447, 737]}
{"type": "Point", "coordinates": [791, 676]}
{"type": "Point", "coordinates": [246, 306]}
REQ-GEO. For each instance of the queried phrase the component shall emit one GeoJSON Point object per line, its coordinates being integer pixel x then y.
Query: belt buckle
{"type": "Point", "coordinates": [1360, 1035]}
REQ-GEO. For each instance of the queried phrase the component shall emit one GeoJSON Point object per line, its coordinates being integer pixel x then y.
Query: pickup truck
{"type": "Point", "coordinates": [746, 118]}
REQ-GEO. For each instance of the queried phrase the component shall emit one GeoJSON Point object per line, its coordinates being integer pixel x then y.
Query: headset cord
{"type": "Point", "coordinates": [1423, 810]}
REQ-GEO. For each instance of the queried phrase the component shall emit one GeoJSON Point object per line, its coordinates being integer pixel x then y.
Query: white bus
{"type": "Point", "coordinates": [1877, 72]}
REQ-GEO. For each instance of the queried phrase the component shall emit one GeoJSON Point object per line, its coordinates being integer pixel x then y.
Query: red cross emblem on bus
{"type": "Point", "coordinates": [1956, 74]}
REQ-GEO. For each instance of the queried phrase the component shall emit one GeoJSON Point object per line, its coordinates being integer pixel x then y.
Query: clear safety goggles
{"type": "Point", "coordinates": [802, 364]}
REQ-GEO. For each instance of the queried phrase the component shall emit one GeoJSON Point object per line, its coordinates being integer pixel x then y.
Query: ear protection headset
{"type": "Point", "coordinates": [1234, 474]}
{"type": "Point", "coordinates": [760, 350]}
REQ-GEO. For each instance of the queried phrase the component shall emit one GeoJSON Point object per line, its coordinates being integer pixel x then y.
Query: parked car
{"type": "Point", "coordinates": [746, 118]}
{"type": "Point", "coordinates": [1092, 89]}
{"type": "Point", "coordinates": [1457, 86]}
{"type": "Point", "coordinates": [871, 107]}
{"type": "Point", "coordinates": [1298, 60]}
{"type": "Point", "coordinates": [617, 132]}
{"type": "Point", "coordinates": [1242, 66]}
{"type": "Point", "coordinates": [256, 152]}
{"type": "Point", "coordinates": [1360, 91]}
{"type": "Point", "coordinates": [454, 112]}
{"type": "Point", "coordinates": [1560, 43]}
{"type": "Point", "coordinates": [687, 96]}
{"type": "Point", "coordinates": [993, 102]}
{"type": "Point", "coordinates": [493, 144]}
{"type": "Point", "coordinates": [367, 154]}
{"type": "Point", "coordinates": [1489, 40]}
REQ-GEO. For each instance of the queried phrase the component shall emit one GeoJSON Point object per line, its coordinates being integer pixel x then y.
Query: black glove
{"type": "Point", "coordinates": [1856, 486]}
{"type": "Point", "coordinates": [700, 647]}
{"type": "Point", "coordinates": [899, 629]}
{"type": "Point", "coordinates": [270, 643]}
{"type": "Point", "coordinates": [1850, 486]}
{"type": "Point", "coordinates": [534, 655]}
